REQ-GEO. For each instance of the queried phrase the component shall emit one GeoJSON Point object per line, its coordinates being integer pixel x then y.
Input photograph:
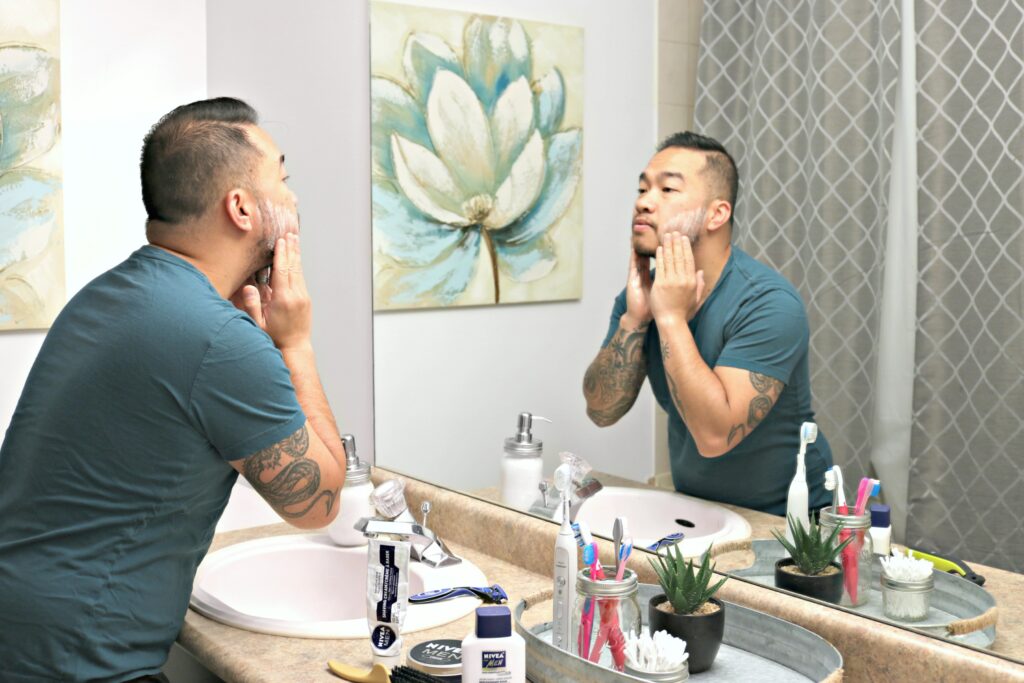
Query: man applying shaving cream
{"type": "Point", "coordinates": [150, 394]}
{"type": "Point", "coordinates": [722, 338]}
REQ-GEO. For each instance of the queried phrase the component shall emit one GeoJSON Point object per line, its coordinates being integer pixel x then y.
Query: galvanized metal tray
{"type": "Point", "coordinates": [756, 647]}
{"type": "Point", "coordinates": [960, 611]}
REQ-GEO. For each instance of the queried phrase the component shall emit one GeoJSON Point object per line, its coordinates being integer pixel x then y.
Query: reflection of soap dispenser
{"type": "Point", "coordinates": [522, 468]}
{"type": "Point", "coordinates": [354, 499]}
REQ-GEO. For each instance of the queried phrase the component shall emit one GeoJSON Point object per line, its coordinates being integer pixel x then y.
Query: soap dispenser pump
{"type": "Point", "coordinates": [522, 466]}
{"type": "Point", "coordinates": [355, 498]}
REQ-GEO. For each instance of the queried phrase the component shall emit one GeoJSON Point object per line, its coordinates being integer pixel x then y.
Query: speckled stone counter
{"type": "Point", "coordinates": [246, 657]}
{"type": "Point", "coordinates": [516, 550]}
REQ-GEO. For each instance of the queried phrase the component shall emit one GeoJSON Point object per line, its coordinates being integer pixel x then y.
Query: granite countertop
{"type": "Point", "coordinates": [1006, 587]}
{"type": "Point", "coordinates": [247, 657]}
{"type": "Point", "coordinates": [516, 550]}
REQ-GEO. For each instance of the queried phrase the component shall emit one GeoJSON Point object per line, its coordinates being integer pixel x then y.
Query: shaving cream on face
{"type": "Point", "coordinates": [689, 223]}
{"type": "Point", "coordinates": [387, 597]}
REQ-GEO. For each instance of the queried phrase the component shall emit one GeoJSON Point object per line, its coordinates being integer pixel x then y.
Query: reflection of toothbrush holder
{"type": "Point", "coordinates": [857, 558]}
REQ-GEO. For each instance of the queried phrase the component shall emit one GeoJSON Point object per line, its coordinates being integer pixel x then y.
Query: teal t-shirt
{"type": "Point", "coordinates": [754, 320]}
{"type": "Point", "coordinates": [115, 467]}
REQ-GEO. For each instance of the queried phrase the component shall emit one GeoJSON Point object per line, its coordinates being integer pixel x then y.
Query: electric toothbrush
{"type": "Point", "coordinates": [796, 503]}
{"type": "Point", "coordinates": [565, 566]}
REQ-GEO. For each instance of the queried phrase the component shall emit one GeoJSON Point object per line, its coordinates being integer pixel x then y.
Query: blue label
{"type": "Point", "coordinates": [383, 637]}
{"type": "Point", "coordinates": [492, 660]}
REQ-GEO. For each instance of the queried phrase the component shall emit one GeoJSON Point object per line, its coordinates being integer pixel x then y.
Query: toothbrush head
{"type": "Point", "coordinates": [875, 489]}
{"type": "Point", "coordinates": [830, 479]}
{"type": "Point", "coordinates": [588, 538]}
{"type": "Point", "coordinates": [590, 554]}
{"type": "Point", "coordinates": [563, 478]}
{"type": "Point", "coordinates": [577, 533]}
{"type": "Point", "coordinates": [808, 432]}
{"type": "Point", "coordinates": [626, 550]}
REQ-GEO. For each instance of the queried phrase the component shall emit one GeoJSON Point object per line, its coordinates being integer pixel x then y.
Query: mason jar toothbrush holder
{"type": "Point", "coordinates": [605, 611]}
{"type": "Point", "coordinates": [857, 556]}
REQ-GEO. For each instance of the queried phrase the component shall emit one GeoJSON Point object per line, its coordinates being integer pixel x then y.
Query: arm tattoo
{"type": "Point", "coordinates": [664, 350]}
{"type": "Point", "coordinates": [613, 380]}
{"type": "Point", "coordinates": [768, 389]}
{"type": "Point", "coordinates": [675, 395]}
{"type": "Point", "coordinates": [737, 432]}
{"type": "Point", "coordinates": [298, 483]}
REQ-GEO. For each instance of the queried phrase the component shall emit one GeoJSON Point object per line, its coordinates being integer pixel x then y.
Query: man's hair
{"type": "Point", "coordinates": [195, 154]}
{"type": "Point", "coordinates": [723, 178]}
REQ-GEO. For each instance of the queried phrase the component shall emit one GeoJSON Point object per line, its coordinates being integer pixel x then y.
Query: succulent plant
{"type": "Point", "coordinates": [686, 590]}
{"type": "Point", "coordinates": [810, 552]}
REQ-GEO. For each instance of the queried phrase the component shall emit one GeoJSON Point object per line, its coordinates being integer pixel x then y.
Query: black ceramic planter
{"type": "Point", "coordinates": [827, 588]}
{"type": "Point", "coordinates": [702, 633]}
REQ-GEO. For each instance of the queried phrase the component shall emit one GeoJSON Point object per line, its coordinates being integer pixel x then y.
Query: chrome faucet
{"type": "Point", "coordinates": [547, 505]}
{"type": "Point", "coordinates": [395, 520]}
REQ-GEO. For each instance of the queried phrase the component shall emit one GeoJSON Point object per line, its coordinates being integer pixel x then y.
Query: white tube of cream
{"type": "Point", "coordinates": [387, 597]}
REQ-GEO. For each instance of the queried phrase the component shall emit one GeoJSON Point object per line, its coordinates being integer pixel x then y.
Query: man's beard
{"type": "Point", "coordinates": [690, 223]}
{"type": "Point", "coordinates": [277, 220]}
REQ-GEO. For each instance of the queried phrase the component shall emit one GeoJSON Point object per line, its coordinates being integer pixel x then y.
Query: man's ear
{"type": "Point", "coordinates": [720, 211]}
{"type": "Point", "coordinates": [240, 207]}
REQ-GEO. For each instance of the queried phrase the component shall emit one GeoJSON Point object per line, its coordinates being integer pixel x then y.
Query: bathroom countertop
{"type": "Point", "coordinates": [246, 657]}
{"type": "Point", "coordinates": [1006, 587]}
{"type": "Point", "coordinates": [516, 550]}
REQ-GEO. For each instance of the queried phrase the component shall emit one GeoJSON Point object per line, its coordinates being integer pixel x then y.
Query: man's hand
{"type": "Point", "coordinates": [283, 309]}
{"type": "Point", "coordinates": [638, 291]}
{"type": "Point", "coordinates": [678, 290]}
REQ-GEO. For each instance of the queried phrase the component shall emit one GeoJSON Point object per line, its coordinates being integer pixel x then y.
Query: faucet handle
{"type": "Point", "coordinates": [543, 486]}
{"type": "Point", "coordinates": [425, 509]}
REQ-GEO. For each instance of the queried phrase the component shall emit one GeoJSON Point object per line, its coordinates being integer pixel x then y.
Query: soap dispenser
{"type": "Point", "coordinates": [355, 498]}
{"type": "Point", "coordinates": [522, 467]}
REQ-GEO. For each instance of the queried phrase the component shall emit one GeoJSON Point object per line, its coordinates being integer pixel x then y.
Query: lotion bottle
{"type": "Point", "coordinates": [492, 652]}
{"type": "Point", "coordinates": [354, 500]}
{"type": "Point", "coordinates": [522, 466]}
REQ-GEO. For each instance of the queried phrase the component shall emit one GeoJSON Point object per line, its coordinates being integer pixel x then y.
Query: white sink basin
{"type": "Point", "coordinates": [652, 514]}
{"type": "Point", "coordinates": [303, 585]}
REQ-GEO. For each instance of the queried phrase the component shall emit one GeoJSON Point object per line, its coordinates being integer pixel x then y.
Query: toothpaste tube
{"type": "Point", "coordinates": [387, 597]}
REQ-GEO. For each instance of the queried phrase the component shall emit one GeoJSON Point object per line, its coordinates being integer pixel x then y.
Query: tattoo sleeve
{"type": "Point", "coordinates": [768, 390]}
{"type": "Point", "coordinates": [613, 380]}
{"type": "Point", "coordinates": [293, 486]}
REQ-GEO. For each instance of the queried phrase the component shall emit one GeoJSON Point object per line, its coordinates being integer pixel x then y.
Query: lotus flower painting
{"type": "Point", "coordinates": [31, 234]}
{"type": "Point", "coordinates": [477, 146]}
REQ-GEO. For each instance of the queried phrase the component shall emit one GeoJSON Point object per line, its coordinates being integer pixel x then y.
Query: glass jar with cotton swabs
{"type": "Point", "coordinates": [907, 585]}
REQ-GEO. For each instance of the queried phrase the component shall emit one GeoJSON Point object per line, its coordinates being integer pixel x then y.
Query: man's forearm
{"type": "Point", "coordinates": [613, 380]}
{"type": "Point", "coordinates": [697, 393]}
{"type": "Point", "coordinates": [301, 364]}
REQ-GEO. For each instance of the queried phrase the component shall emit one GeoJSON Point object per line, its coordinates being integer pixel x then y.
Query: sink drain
{"type": "Point", "coordinates": [685, 522]}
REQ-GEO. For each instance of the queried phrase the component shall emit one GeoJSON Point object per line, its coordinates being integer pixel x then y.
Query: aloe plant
{"type": "Point", "coordinates": [810, 552]}
{"type": "Point", "coordinates": [686, 590]}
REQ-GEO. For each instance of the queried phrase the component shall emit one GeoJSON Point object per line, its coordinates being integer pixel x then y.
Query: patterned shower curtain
{"type": "Point", "coordinates": [803, 93]}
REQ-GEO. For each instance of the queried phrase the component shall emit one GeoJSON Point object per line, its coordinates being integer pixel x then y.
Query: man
{"type": "Point", "coordinates": [151, 392]}
{"type": "Point", "coordinates": [722, 338]}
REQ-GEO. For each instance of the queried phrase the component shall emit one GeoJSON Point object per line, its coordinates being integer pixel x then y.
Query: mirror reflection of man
{"type": "Point", "coordinates": [722, 338]}
{"type": "Point", "coordinates": [151, 393]}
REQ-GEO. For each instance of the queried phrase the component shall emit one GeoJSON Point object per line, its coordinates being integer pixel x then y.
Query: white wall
{"type": "Point", "coordinates": [123, 65]}
{"type": "Point", "coordinates": [450, 383]}
{"type": "Point", "coordinates": [305, 67]}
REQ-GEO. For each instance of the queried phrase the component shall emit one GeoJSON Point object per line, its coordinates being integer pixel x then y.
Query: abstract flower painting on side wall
{"type": "Point", "coordinates": [477, 146]}
{"type": "Point", "coordinates": [31, 232]}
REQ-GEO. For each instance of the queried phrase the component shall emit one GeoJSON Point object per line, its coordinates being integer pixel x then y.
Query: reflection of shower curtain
{"type": "Point", "coordinates": [895, 205]}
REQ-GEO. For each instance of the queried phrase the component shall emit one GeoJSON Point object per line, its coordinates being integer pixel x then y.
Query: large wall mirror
{"type": "Point", "coordinates": [454, 370]}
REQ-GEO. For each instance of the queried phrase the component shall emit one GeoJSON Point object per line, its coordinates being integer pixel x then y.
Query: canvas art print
{"type": "Point", "coordinates": [31, 234]}
{"type": "Point", "coordinates": [477, 145]}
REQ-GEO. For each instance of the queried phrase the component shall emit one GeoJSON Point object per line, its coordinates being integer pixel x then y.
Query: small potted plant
{"type": "Point", "coordinates": [811, 569]}
{"type": "Point", "coordinates": [686, 609]}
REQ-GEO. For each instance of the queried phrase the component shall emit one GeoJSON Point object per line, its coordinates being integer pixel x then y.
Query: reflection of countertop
{"type": "Point", "coordinates": [1006, 587]}
{"type": "Point", "coordinates": [516, 551]}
